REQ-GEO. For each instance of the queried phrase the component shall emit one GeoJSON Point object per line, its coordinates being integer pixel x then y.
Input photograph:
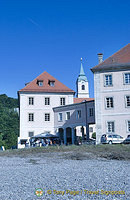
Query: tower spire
{"type": "Point", "coordinates": [82, 83]}
{"type": "Point", "coordinates": [81, 68]}
{"type": "Point", "coordinates": [82, 75]}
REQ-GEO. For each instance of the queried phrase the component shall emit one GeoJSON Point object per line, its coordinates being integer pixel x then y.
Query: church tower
{"type": "Point", "coordinates": [82, 84]}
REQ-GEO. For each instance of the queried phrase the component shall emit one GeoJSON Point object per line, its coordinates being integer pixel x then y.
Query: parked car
{"type": "Point", "coordinates": [111, 139]}
{"type": "Point", "coordinates": [127, 140]}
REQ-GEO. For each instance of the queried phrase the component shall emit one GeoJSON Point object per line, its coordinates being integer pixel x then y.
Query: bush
{"type": "Point", "coordinates": [94, 135]}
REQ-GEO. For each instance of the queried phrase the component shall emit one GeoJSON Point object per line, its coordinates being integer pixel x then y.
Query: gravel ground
{"type": "Point", "coordinates": [73, 176]}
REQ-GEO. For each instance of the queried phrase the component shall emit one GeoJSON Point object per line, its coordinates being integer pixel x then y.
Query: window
{"type": "Point", "coordinates": [47, 101]}
{"type": "Point", "coordinates": [83, 87]}
{"type": "Point", "coordinates": [30, 134]}
{"type": "Point", "coordinates": [127, 99]}
{"type": "Point", "coordinates": [108, 80]}
{"type": "Point", "coordinates": [47, 116]}
{"type": "Point", "coordinates": [128, 126]}
{"type": "Point", "coordinates": [51, 83]}
{"type": "Point", "coordinates": [60, 117]}
{"type": "Point", "coordinates": [127, 78]}
{"type": "Point", "coordinates": [91, 112]}
{"type": "Point", "coordinates": [109, 102]}
{"type": "Point", "coordinates": [31, 101]}
{"type": "Point", "coordinates": [78, 114]}
{"type": "Point", "coordinates": [110, 127]}
{"type": "Point", "coordinates": [40, 83]}
{"type": "Point", "coordinates": [31, 117]}
{"type": "Point", "coordinates": [90, 129]}
{"type": "Point", "coordinates": [62, 101]}
{"type": "Point", "coordinates": [67, 115]}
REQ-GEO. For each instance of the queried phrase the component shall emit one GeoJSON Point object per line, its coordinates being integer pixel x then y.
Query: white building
{"type": "Point", "coordinates": [37, 99]}
{"type": "Point", "coordinates": [112, 94]}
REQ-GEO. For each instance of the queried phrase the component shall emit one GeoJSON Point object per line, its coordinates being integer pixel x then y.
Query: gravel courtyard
{"type": "Point", "coordinates": [63, 175]}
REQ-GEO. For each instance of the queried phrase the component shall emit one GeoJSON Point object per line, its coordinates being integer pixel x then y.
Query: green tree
{"type": "Point", "coordinates": [9, 121]}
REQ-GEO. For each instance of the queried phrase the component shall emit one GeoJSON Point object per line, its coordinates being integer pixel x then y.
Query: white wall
{"type": "Point", "coordinates": [98, 106]}
{"type": "Point", "coordinates": [39, 109]}
{"type": "Point", "coordinates": [119, 114]}
{"type": "Point", "coordinates": [83, 93]}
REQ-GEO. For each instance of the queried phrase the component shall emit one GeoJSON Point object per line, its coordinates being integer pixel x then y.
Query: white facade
{"type": "Point", "coordinates": [38, 109]}
{"type": "Point", "coordinates": [82, 89]}
{"type": "Point", "coordinates": [119, 113]}
{"type": "Point", "coordinates": [112, 95]}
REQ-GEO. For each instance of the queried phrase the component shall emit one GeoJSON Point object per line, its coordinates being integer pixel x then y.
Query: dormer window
{"type": "Point", "coordinates": [51, 83]}
{"type": "Point", "coordinates": [40, 83]}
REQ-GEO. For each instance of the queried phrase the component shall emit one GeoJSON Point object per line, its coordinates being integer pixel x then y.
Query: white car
{"type": "Point", "coordinates": [111, 139]}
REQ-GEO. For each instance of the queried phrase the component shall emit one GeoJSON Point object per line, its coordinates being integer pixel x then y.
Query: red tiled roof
{"type": "Point", "coordinates": [118, 59]}
{"type": "Point", "coordinates": [79, 100]}
{"type": "Point", "coordinates": [45, 77]}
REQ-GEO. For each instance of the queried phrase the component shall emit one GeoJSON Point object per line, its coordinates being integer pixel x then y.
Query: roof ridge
{"type": "Point", "coordinates": [45, 76]}
{"type": "Point", "coordinates": [114, 54]}
{"type": "Point", "coordinates": [122, 56]}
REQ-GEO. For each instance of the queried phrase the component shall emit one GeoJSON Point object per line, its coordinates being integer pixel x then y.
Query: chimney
{"type": "Point", "coordinates": [100, 58]}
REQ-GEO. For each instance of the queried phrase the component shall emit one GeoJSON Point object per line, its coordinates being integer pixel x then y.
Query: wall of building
{"type": "Point", "coordinates": [82, 93]}
{"type": "Point", "coordinates": [39, 125]}
{"type": "Point", "coordinates": [74, 121]}
{"type": "Point", "coordinates": [119, 113]}
{"type": "Point", "coordinates": [98, 106]}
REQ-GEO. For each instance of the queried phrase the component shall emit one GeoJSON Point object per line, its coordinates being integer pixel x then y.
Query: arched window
{"type": "Point", "coordinates": [83, 87]}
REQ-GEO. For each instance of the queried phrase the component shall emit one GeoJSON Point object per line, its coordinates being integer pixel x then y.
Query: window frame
{"type": "Point", "coordinates": [48, 101]}
{"type": "Point", "coordinates": [30, 132]}
{"type": "Point", "coordinates": [125, 79]}
{"type": "Point", "coordinates": [126, 101]}
{"type": "Point", "coordinates": [67, 116]}
{"type": "Point", "coordinates": [109, 85]}
{"type": "Point", "coordinates": [90, 129]}
{"type": "Point", "coordinates": [62, 101]}
{"type": "Point", "coordinates": [47, 117]}
{"type": "Point", "coordinates": [51, 83]}
{"type": "Point", "coordinates": [60, 117]}
{"type": "Point", "coordinates": [39, 83]}
{"type": "Point", "coordinates": [111, 132]}
{"type": "Point", "coordinates": [128, 126]}
{"type": "Point", "coordinates": [30, 117]}
{"type": "Point", "coordinates": [78, 114]}
{"type": "Point", "coordinates": [91, 112]}
{"type": "Point", "coordinates": [109, 102]}
{"type": "Point", "coordinates": [30, 102]}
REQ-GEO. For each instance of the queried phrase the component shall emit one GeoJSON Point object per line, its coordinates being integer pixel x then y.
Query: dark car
{"type": "Point", "coordinates": [127, 140]}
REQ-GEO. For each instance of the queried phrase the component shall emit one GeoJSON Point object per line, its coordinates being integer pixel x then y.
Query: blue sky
{"type": "Point", "coordinates": [52, 36]}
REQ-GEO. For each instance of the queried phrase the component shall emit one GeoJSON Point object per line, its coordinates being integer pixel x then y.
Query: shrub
{"type": "Point", "coordinates": [94, 135]}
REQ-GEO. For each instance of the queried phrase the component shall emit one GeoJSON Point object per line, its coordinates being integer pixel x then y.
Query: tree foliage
{"type": "Point", "coordinates": [9, 121]}
{"type": "Point", "coordinates": [94, 135]}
